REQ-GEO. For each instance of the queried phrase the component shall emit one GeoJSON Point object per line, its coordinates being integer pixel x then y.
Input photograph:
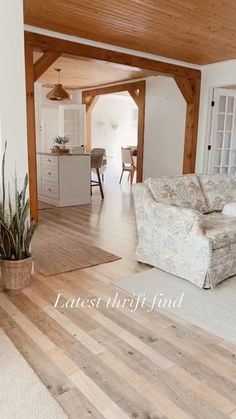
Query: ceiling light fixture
{"type": "Point", "coordinates": [58, 93]}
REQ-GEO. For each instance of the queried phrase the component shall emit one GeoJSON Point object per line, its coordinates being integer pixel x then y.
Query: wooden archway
{"type": "Point", "coordinates": [137, 92]}
{"type": "Point", "coordinates": [187, 79]}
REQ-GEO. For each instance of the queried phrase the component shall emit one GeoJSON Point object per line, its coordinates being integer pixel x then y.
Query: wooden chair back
{"type": "Point", "coordinates": [126, 155]}
{"type": "Point", "coordinates": [97, 156]}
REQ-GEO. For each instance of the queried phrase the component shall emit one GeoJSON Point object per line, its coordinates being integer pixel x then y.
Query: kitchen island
{"type": "Point", "coordinates": [64, 179]}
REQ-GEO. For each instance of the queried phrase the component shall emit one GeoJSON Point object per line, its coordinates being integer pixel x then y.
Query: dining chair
{"type": "Point", "coordinates": [97, 156]}
{"type": "Point", "coordinates": [104, 162]}
{"type": "Point", "coordinates": [127, 163]}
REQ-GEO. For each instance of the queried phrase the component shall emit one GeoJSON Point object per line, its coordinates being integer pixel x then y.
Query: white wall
{"type": "Point", "coordinates": [164, 127]}
{"type": "Point", "coordinates": [213, 75]}
{"type": "Point", "coordinates": [12, 81]}
{"type": "Point", "coordinates": [165, 113]}
{"type": "Point", "coordinates": [114, 124]}
{"type": "Point", "coordinates": [48, 110]}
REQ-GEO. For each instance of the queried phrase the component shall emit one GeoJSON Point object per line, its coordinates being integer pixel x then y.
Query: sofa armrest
{"type": "Point", "coordinates": [172, 219]}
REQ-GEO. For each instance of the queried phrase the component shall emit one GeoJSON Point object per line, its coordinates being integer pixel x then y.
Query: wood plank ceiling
{"type": "Point", "coordinates": [81, 73]}
{"type": "Point", "coordinates": [195, 31]}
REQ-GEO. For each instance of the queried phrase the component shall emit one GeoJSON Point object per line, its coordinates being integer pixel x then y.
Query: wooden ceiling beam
{"type": "Point", "coordinates": [112, 89]}
{"type": "Point", "coordinates": [61, 46]}
{"type": "Point", "coordinates": [44, 62]}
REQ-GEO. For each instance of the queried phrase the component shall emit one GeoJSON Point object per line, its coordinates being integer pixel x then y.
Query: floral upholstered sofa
{"type": "Point", "coordinates": [181, 227]}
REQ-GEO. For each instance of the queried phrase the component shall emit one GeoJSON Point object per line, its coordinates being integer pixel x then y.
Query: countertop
{"type": "Point", "coordinates": [63, 154]}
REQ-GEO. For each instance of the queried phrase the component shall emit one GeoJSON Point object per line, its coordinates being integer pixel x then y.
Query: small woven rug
{"type": "Point", "coordinates": [22, 394]}
{"type": "Point", "coordinates": [54, 254]}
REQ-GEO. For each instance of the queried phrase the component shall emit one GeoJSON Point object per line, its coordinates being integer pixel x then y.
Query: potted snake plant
{"type": "Point", "coordinates": [16, 232]}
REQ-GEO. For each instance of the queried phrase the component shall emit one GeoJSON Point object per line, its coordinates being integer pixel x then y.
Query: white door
{"type": "Point", "coordinates": [222, 146]}
{"type": "Point", "coordinates": [72, 123]}
{"type": "Point", "coordinates": [50, 128]}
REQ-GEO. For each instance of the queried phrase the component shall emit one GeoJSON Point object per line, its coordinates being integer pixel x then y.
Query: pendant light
{"type": "Point", "coordinates": [58, 93]}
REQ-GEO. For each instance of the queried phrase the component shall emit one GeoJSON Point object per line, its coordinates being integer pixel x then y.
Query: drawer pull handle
{"type": "Point", "coordinates": [50, 189]}
{"type": "Point", "coordinates": [49, 160]}
{"type": "Point", "coordinates": [49, 173]}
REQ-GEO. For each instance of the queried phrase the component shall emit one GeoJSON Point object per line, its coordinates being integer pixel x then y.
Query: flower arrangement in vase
{"type": "Point", "coordinates": [61, 141]}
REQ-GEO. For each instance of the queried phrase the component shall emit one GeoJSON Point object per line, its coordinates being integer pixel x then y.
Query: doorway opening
{"type": "Point", "coordinates": [136, 91]}
{"type": "Point", "coordinates": [114, 126]}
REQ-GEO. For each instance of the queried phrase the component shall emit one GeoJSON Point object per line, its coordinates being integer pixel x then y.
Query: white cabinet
{"type": "Point", "coordinates": [72, 123]}
{"type": "Point", "coordinates": [64, 180]}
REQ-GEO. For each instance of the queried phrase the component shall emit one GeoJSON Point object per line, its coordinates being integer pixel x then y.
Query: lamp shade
{"type": "Point", "coordinates": [58, 93]}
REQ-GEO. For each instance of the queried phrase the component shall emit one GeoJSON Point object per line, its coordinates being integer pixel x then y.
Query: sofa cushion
{"type": "Point", "coordinates": [218, 190]}
{"type": "Point", "coordinates": [182, 191]}
{"type": "Point", "coordinates": [220, 229]}
{"type": "Point", "coordinates": [230, 209]}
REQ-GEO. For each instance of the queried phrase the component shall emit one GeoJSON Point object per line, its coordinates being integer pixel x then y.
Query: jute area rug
{"type": "Point", "coordinates": [56, 252]}
{"type": "Point", "coordinates": [22, 394]}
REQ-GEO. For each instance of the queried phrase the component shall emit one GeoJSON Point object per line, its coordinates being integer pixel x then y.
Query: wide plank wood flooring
{"type": "Point", "coordinates": [111, 363]}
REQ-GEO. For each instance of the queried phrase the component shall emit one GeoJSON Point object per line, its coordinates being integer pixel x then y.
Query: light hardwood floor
{"type": "Point", "coordinates": [111, 363]}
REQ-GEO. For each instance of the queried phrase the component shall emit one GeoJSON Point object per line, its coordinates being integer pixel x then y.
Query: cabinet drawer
{"type": "Point", "coordinates": [49, 160]}
{"type": "Point", "coordinates": [49, 173]}
{"type": "Point", "coordinates": [50, 190]}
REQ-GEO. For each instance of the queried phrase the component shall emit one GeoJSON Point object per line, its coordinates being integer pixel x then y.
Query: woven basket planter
{"type": "Point", "coordinates": [16, 274]}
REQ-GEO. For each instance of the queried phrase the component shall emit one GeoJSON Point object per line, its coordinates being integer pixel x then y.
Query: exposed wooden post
{"type": "Point", "coordinates": [29, 74]}
{"type": "Point", "coordinates": [190, 90]}
{"type": "Point", "coordinates": [191, 130]}
{"type": "Point", "coordinates": [89, 123]}
{"type": "Point", "coordinates": [141, 121]}
{"type": "Point", "coordinates": [44, 62]}
{"type": "Point", "coordinates": [138, 95]}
